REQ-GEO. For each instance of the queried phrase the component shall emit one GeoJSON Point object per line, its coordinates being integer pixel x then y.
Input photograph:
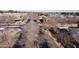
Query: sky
{"type": "Point", "coordinates": [28, 5]}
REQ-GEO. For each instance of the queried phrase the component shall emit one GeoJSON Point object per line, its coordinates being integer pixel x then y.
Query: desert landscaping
{"type": "Point", "coordinates": [39, 29]}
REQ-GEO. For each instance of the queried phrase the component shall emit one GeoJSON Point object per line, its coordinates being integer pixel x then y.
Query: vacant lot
{"type": "Point", "coordinates": [39, 30]}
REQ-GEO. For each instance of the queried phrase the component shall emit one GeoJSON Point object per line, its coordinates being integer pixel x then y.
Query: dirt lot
{"type": "Point", "coordinates": [39, 30]}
